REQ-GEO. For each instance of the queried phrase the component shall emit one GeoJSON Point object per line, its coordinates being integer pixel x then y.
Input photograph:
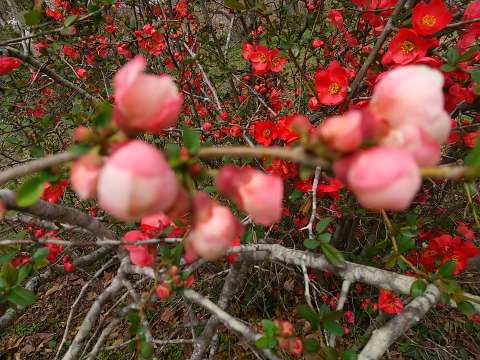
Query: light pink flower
{"type": "Point", "coordinates": [417, 142]}
{"type": "Point", "coordinates": [343, 133]}
{"type": "Point", "coordinates": [84, 175]}
{"type": "Point", "coordinates": [145, 102]}
{"type": "Point", "coordinates": [136, 181]}
{"type": "Point", "coordinates": [259, 194]}
{"type": "Point", "coordinates": [214, 228]}
{"type": "Point", "coordinates": [381, 177]}
{"type": "Point", "coordinates": [413, 95]}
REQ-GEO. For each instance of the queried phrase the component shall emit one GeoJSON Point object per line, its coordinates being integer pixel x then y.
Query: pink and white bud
{"type": "Point", "coordinates": [140, 255]}
{"type": "Point", "coordinates": [417, 142]}
{"type": "Point", "coordinates": [413, 95]}
{"type": "Point", "coordinates": [214, 228]}
{"type": "Point", "coordinates": [382, 178]}
{"type": "Point", "coordinates": [343, 133]}
{"type": "Point", "coordinates": [145, 102]}
{"type": "Point", "coordinates": [259, 194]}
{"type": "Point", "coordinates": [136, 181]}
{"type": "Point", "coordinates": [84, 175]}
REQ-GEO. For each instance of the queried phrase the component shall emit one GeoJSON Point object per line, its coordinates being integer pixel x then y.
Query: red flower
{"type": "Point", "coordinates": [331, 84]}
{"type": "Point", "coordinates": [389, 302]}
{"type": "Point", "coordinates": [181, 8]}
{"type": "Point", "coordinates": [466, 231]}
{"type": "Point", "coordinates": [247, 51]}
{"type": "Point", "coordinates": [405, 47]}
{"type": "Point", "coordinates": [53, 193]}
{"type": "Point", "coordinates": [429, 18]}
{"type": "Point", "coordinates": [260, 59]}
{"type": "Point", "coordinates": [265, 132]}
{"type": "Point", "coordinates": [8, 64]}
{"type": "Point", "coordinates": [286, 128]}
{"type": "Point", "coordinates": [70, 51]}
{"type": "Point", "coordinates": [276, 63]}
{"type": "Point", "coordinates": [285, 169]}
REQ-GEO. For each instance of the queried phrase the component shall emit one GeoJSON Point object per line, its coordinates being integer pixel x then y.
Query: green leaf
{"type": "Point", "coordinates": [269, 328]}
{"type": "Point", "coordinates": [262, 343]}
{"type": "Point", "coordinates": [333, 255]}
{"type": "Point", "coordinates": [330, 353]}
{"type": "Point", "coordinates": [191, 139]}
{"type": "Point", "coordinates": [21, 296]}
{"type": "Point", "coordinates": [23, 272]}
{"type": "Point", "coordinates": [350, 354]}
{"type": "Point", "coordinates": [3, 284]}
{"type": "Point", "coordinates": [333, 327]}
{"type": "Point", "coordinates": [235, 5]}
{"type": "Point", "coordinates": [473, 157]}
{"type": "Point", "coordinates": [146, 350]}
{"type": "Point", "coordinates": [331, 315]}
{"type": "Point", "coordinates": [40, 254]}
{"type": "Point", "coordinates": [32, 17]}
{"type": "Point", "coordinates": [447, 269]}
{"type": "Point", "coordinates": [418, 287]}
{"type": "Point", "coordinates": [311, 244]}
{"type": "Point", "coordinates": [311, 316]}
{"type": "Point", "coordinates": [30, 191]}
{"type": "Point", "coordinates": [178, 254]}
{"type": "Point", "coordinates": [452, 56]}
{"type": "Point", "coordinates": [79, 149]}
{"type": "Point", "coordinates": [475, 75]}
{"type": "Point", "coordinates": [322, 225]}
{"type": "Point", "coordinates": [466, 308]}
{"type": "Point", "coordinates": [70, 20]}
{"type": "Point", "coordinates": [405, 242]}
{"type": "Point", "coordinates": [325, 237]}
{"type": "Point", "coordinates": [103, 116]}
{"type": "Point", "coordinates": [448, 68]}
{"type": "Point", "coordinates": [311, 345]}
{"type": "Point", "coordinates": [5, 259]}
{"type": "Point", "coordinates": [469, 54]}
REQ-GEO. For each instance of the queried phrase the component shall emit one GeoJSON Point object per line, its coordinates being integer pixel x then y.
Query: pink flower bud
{"type": "Point", "coordinates": [413, 95]}
{"type": "Point", "coordinates": [259, 194]}
{"type": "Point", "coordinates": [84, 175]}
{"type": "Point", "coordinates": [417, 142]}
{"type": "Point", "coordinates": [67, 264]}
{"type": "Point", "coordinates": [140, 255]}
{"type": "Point", "coordinates": [136, 181]}
{"type": "Point", "coordinates": [145, 102]}
{"type": "Point", "coordinates": [381, 177]}
{"type": "Point", "coordinates": [343, 133]}
{"type": "Point", "coordinates": [8, 64]}
{"type": "Point", "coordinates": [163, 291]}
{"type": "Point", "coordinates": [214, 228]}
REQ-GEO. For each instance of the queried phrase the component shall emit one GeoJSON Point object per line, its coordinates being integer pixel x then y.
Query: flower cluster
{"type": "Point", "coordinates": [406, 120]}
{"type": "Point", "coordinates": [263, 59]}
{"type": "Point", "coordinates": [136, 182]}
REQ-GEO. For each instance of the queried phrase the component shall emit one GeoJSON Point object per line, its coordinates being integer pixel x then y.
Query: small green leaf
{"type": "Point", "coordinates": [23, 272]}
{"type": "Point", "coordinates": [311, 244]}
{"type": "Point", "coordinates": [311, 345]}
{"type": "Point", "coordinates": [30, 191]}
{"type": "Point", "coordinates": [418, 287]}
{"type": "Point", "coordinates": [191, 139]}
{"type": "Point", "coordinates": [475, 75]}
{"type": "Point", "coordinates": [350, 354]}
{"type": "Point", "coordinates": [235, 5]}
{"type": "Point", "coordinates": [32, 17]}
{"type": "Point", "coordinates": [146, 350]}
{"type": "Point", "coordinates": [269, 328]}
{"type": "Point", "coordinates": [448, 68]}
{"type": "Point", "coordinates": [5, 259]}
{"type": "Point", "coordinates": [40, 254]}
{"type": "Point", "coordinates": [103, 116]}
{"type": "Point", "coordinates": [447, 269]}
{"type": "Point", "coordinates": [330, 353]}
{"type": "Point", "coordinates": [469, 54]}
{"type": "Point", "coordinates": [466, 308]}
{"type": "Point", "coordinates": [262, 343]}
{"type": "Point", "coordinates": [21, 296]}
{"type": "Point", "coordinates": [322, 225]}
{"type": "Point", "coordinates": [333, 327]}
{"type": "Point", "coordinates": [79, 149]}
{"type": "Point", "coordinates": [311, 316]}
{"type": "Point", "coordinates": [452, 56]}
{"type": "Point", "coordinates": [325, 237]}
{"type": "Point", "coordinates": [70, 20]}
{"type": "Point", "coordinates": [333, 255]}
